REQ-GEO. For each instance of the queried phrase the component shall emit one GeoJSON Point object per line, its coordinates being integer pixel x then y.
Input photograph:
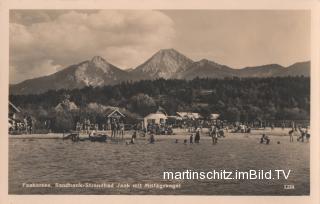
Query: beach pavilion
{"type": "Point", "coordinates": [157, 118]}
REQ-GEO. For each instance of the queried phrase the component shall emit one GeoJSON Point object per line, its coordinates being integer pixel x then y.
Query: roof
{"type": "Point", "coordinates": [112, 110]}
{"type": "Point", "coordinates": [161, 110]}
{"type": "Point", "coordinates": [14, 107]}
{"type": "Point", "coordinates": [189, 115]}
{"type": "Point", "coordinates": [156, 115]}
{"type": "Point", "coordinates": [182, 114]}
{"type": "Point", "coordinates": [214, 116]}
{"type": "Point", "coordinates": [174, 117]}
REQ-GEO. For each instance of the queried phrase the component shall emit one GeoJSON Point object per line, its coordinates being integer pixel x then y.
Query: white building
{"type": "Point", "coordinates": [155, 118]}
{"type": "Point", "coordinates": [214, 116]}
{"type": "Point", "coordinates": [189, 115]}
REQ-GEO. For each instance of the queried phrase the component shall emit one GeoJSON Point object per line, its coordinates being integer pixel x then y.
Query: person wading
{"type": "Point", "coordinates": [291, 134]}
{"type": "Point", "coordinates": [197, 137]}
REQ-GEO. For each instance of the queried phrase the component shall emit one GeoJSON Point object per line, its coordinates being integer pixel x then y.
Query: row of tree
{"type": "Point", "coordinates": [235, 99]}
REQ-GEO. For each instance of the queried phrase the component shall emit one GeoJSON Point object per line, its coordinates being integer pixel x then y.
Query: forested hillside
{"type": "Point", "coordinates": [236, 99]}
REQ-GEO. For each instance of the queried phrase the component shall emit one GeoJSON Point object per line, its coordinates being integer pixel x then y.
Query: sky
{"type": "Point", "coordinates": [43, 42]}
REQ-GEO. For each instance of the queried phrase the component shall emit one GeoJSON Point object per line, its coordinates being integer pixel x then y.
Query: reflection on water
{"type": "Point", "coordinates": [57, 161]}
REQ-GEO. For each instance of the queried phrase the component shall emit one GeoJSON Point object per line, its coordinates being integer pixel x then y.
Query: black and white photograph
{"type": "Point", "coordinates": [201, 102]}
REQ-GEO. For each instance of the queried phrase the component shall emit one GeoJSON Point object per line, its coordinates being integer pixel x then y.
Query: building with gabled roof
{"type": "Point", "coordinates": [157, 118]}
{"type": "Point", "coordinates": [14, 112]}
{"type": "Point", "coordinates": [114, 112]}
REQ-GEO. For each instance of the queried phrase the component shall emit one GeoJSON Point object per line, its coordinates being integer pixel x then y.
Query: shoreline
{"type": "Point", "coordinates": [178, 134]}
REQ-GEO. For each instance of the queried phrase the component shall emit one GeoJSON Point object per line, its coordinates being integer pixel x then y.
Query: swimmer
{"type": "Point", "coordinates": [264, 138]}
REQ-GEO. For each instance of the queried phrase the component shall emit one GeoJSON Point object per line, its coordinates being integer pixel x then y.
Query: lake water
{"type": "Point", "coordinates": [51, 161]}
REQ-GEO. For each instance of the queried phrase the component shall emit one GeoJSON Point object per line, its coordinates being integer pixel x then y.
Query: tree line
{"type": "Point", "coordinates": [235, 99]}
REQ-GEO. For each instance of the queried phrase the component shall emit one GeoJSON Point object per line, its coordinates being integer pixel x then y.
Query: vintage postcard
{"type": "Point", "coordinates": [203, 102]}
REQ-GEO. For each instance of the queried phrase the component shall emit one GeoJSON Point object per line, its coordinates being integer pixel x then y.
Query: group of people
{"type": "Point", "coordinates": [242, 128]}
{"type": "Point", "coordinates": [25, 126]}
{"type": "Point", "coordinates": [194, 138]}
{"type": "Point", "coordinates": [159, 129]}
{"type": "Point", "coordinates": [214, 133]}
{"type": "Point", "coordinates": [86, 126]}
{"type": "Point", "coordinates": [304, 134]}
{"type": "Point", "coordinates": [117, 128]}
{"type": "Point", "coordinates": [134, 137]}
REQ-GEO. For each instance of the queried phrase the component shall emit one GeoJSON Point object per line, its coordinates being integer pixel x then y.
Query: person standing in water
{"type": "Point", "coordinates": [215, 137]}
{"type": "Point", "coordinates": [121, 126]}
{"type": "Point", "coordinates": [133, 137]}
{"type": "Point", "coordinates": [113, 129]}
{"type": "Point", "coordinates": [291, 134]}
{"type": "Point", "coordinates": [197, 137]}
{"type": "Point", "coordinates": [191, 139]}
{"type": "Point", "coordinates": [307, 135]}
{"type": "Point", "coordinates": [152, 140]}
{"type": "Point", "coordinates": [303, 134]}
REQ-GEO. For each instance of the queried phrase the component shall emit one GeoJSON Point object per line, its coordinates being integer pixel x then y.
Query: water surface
{"type": "Point", "coordinates": [57, 161]}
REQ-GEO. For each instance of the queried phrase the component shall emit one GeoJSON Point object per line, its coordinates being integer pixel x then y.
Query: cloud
{"type": "Point", "coordinates": [44, 43]}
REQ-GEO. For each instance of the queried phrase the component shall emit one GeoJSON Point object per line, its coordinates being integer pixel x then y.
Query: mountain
{"type": "Point", "coordinates": [209, 69]}
{"type": "Point", "coordinates": [163, 64]}
{"type": "Point", "coordinates": [268, 70]}
{"type": "Point", "coordinates": [166, 63]}
{"type": "Point", "coordinates": [297, 69]}
{"type": "Point", "coordinates": [206, 69]}
{"type": "Point", "coordinates": [94, 72]}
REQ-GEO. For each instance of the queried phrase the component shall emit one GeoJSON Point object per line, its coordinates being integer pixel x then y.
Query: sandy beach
{"type": "Point", "coordinates": [178, 134]}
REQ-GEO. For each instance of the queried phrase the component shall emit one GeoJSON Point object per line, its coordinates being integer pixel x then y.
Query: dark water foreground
{"type": "Point", "coordinates": [51, 161]}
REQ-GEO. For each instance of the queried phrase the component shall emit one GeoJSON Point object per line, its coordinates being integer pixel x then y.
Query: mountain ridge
{"type": "Point", "coordinates": [166, 63]}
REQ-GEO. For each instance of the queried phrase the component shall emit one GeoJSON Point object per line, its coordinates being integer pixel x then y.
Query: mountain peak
{"type": "Point", "coordinates": [98, 60]}
{"type": "Point", "coordinates": [168, 50]}
{"type": "Point", "coordinates": [167, 53]}
{"type": "Point", "coordinates": [205, 61]}
{"type": "Point", "coordinates": [101, 63]}
{"type": "Point", "coordinates": [164, 64]}
{"type": "Point", "coordinates": [302, 63]}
